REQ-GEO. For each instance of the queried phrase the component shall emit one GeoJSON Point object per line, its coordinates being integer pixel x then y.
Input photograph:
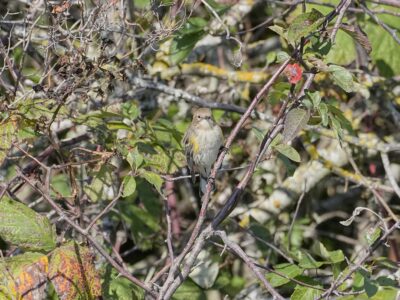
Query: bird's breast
{"type": "Point", "coordinates": [209, 139]}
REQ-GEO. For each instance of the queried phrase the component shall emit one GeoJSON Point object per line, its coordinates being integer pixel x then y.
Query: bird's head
{"type": "Point", "coordinates": [202, 118]}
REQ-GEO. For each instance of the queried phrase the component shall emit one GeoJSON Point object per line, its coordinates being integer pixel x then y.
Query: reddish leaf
{"type": "Point", "coordinates": [58, 9]}
{"type": "Point", "coordinates": [72, 273]}
{"type": "Point", "coordinates": [293, 73]}
{"type": "Point", "coordinates": [24, 277]}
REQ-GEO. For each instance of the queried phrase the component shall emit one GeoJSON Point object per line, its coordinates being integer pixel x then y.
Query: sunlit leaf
{"type": "Point", "coordinates": [154, 179]}
{"type": "Point", "coordinates": [305, 293]}
{"type": "Point", "coordinates": [315, 98]}
{"type": "Point", "coordinates": [205, 270]}
{"type": "Point", "coordinates": [189, 290]}
{"type": "Point", "coordinates": [7, 135]}
{"type": "Point", "coordinates": [295, 120]}
{"type": "Point", "coordinates": [359, 35]}
{"type": "Point", "coordinates": [384, 48]}
{"type": "Point", "coordinates": [186, 38]}
{"type": "Point", "coordinates": [23, 227]}
{"type": "Point", "coordinates": [304, 24]}
{"type": "Point", "coordinates": [287, 270]}
{"type": "Point", "coordinates": [129, 183]}
{"type": "Point", "coordinates": [118, 287]}
{"type": "Point", "coordinates": [288, 151]}
{"type": "Point", "coordinates": [24, 274]}
{"type": "Point", "coordinates": [342, 77]}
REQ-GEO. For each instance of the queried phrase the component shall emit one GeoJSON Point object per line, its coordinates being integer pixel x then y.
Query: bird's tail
{"type": "Point", "coordinates": [203, 185]}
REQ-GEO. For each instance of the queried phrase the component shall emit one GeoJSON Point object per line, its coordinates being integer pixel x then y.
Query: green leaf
{"type": "Point", "coordinates": [282, 56]}
{"type": "Point", "coordinates": [144, 225]}
{"type": "Point", "coordinates": [358, 281]}
{"type": "Point", "coordinates": [304, 24]}
{"type": "Point", "coordinates": [150, 198]}
{"type": "Point", "coordinates": [277, 140]}
{"type": "Point", "coordinates": [344, 123]}
{"type": "Point", "coordinates": [386, 281]}
{"type": "Point", "coordinates": [205, 270]}
{"type": "Point", "coordinates": [332, 256]}
{"type": "Point", "coordinates": [154, 179]}
{"type": "Point", "coordinates": [372, 235]}
{"type": "Point", "coordinates": [384, 49]}
{"type": "Point", "coordinates": [337, 128]}
{"type": "Point", "coordinates": [343, 51]}
{"type": "Point", "coordinates": [189, 290]}
{"type": "Point", "coordinates": [306, 261]}
{"type": "Point", "coordinates": [356, 33]}
{"type": "Point", "coordinates": [295, 120]}
{"type": "Point", "coordinates": [116, 125]}
{"type": "Point", "coordinates": [23, 227]}
{"type": "Point", "coordinates": [305, 293]}
{"type": "Point", "coordinates": [135, 159]}
{"type": "Point", "coordinates": [315, 98]}
{"type": "Point", "coordinates": [165, 161]}
{"type": "Point", "coordinates": [129, 186]}
{"type": "Point", "coordinates": [342, 77]}
{"type": "Point", "coordinates": [318, 45]}
{"type": "Point", "coordinates": [142, 4]}
{"type": "Point", "coordinates": [289, 270]}
{"type": "Point", "coordinates": [219, 7]}
{"type": "Point", "coordinates": [371, 288]}
{"type": "Point", "coordinates": [288, 151]}
{"type": "Point", "coordinates": [289, 166]}
{"type": "Point", "coordinates": [186, 38]}
{"type": "Point", "coordinates": [323, 112]}
{"type": "Point", "coordinates": [7, 135]}
{"type": "Point", "coordinates": [279, 30]}
{"type": "Point", "coordinates": [258, 133]}
{"type": "Point", "coordinates": [61, 184]}
{"type": "Point", "coordinates": [130, 110]}
{"type": "Point", "coordinates": [101, 186]}
{"type": "Point", "coordinates": [120, 288]}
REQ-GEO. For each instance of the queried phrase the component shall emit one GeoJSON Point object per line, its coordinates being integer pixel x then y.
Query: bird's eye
{"type": "Point", "coordinates": [198, 117]}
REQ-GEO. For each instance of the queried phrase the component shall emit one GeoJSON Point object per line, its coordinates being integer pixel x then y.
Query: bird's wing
{"type": "Point", "coordinates": [189, 153]}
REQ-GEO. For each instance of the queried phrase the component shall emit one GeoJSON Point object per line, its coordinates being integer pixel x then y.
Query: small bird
{"type": "Point", "coordinates": [202, 140]}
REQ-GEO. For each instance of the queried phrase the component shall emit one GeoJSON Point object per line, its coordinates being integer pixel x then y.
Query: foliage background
{"type": "Point", "coordinates": [96, 96]}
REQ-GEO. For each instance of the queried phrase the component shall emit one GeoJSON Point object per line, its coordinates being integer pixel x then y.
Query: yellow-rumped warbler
{"type": "Point", "coordinates": [203, 140]}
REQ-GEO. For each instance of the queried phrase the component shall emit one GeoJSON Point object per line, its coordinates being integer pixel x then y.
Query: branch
{"type": "Point", "coordinates": [179, 94]}
{"type": "Point", "coordinates": [339, 19]}
{"type": "Point", "coordinates": [249, 262]}
{"type": "Point", "coordinates": [391, 31]}
{"type": "Point", "coordinates": [389, 173]}
{"type": "Point", "coordinates": [86, 234]}
{"type": "Point", "coordinates": [368, 252]}
{"type": "Point", "coordinates": [217, 165]}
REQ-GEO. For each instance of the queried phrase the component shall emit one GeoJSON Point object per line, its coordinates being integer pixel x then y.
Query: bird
{"type": "Point", "coordinates": [202, 142]}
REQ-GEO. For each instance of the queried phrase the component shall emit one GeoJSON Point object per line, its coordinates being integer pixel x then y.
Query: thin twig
{"type": "Point", "coordinates": [368, 252]}
{"type": "Point", "coordinates": [295, 215]}
{"type": "Point", "coordinates": [391, 31]}
{"type": "Point", "coordinates": [389, 173]}
{"type": "Point", "coordinates": [206, 197]}
{"type": "Point", "coordinates": [107, 208]}
{"type": "Point", "coordinates": [339, 19]}
{"type": "Point", "coordinates": [86, 234]}
{"type": "Point", "coordinates": [169, 188]}
{"type": "Point", "coordinates": [249, 262]}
